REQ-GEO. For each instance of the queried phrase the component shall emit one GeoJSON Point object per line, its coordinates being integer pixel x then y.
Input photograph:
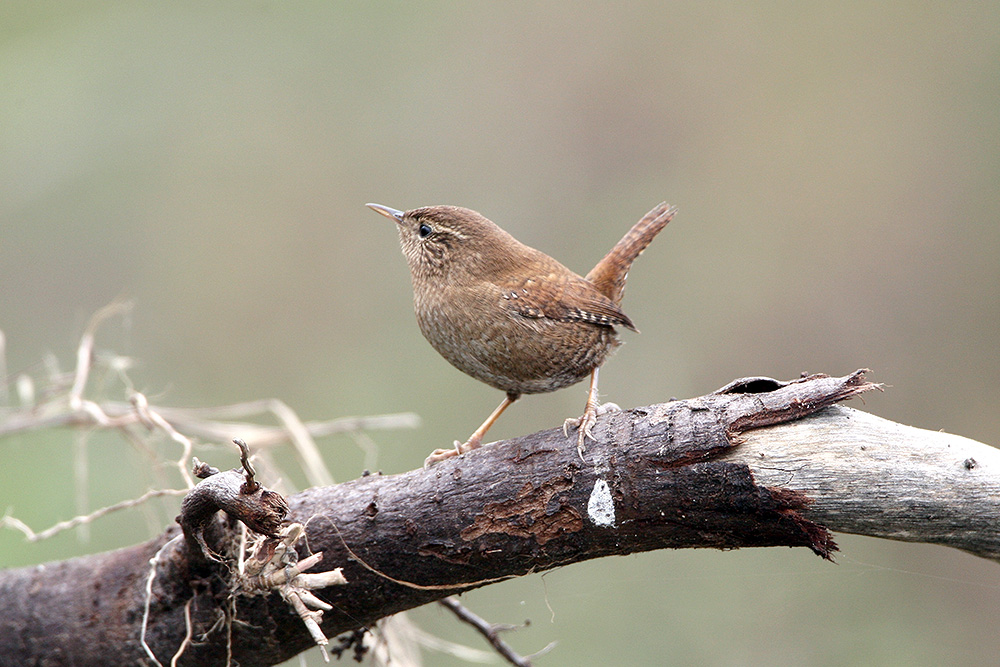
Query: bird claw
{"type": "Point", "coordinates": [439, 455]}
{"type": "Point", "coordinates": [457, 449]}
{"type": "Point", "coordinates": [586, 422]}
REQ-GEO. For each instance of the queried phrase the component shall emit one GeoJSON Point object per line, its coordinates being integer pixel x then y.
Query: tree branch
{"type": "Point", "coordinates": [870, 476]}
{"type": "Point", "coordinates": [715, 471]}
{"type": "Point", "coordinates": [488, 630]}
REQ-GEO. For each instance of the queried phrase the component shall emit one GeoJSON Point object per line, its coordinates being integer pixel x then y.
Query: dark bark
{"type": "Point", "coordinates": [236, 493]}
{"type": "Point", "coordinates": [650, 481]}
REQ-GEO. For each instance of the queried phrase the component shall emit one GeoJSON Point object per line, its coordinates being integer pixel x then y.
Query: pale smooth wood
{"type": "Point", "coordinates": [871, 476]}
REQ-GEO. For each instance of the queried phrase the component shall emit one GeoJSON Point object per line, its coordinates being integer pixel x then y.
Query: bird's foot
{"type": "Point", "coordinates": [586, 423]}
{"type": "Point", "coordinates": [439, 455]}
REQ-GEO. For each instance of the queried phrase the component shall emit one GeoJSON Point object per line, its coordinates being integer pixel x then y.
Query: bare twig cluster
{"type": "Point", "coordinates": [64, 400]}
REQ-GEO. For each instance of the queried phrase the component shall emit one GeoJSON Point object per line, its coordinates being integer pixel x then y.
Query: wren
{"type": "Point", "coordinates": [510, 315]}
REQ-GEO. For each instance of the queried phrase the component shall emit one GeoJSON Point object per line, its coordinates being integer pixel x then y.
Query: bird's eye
{"type": "Point", "coordinates": [424, 230]}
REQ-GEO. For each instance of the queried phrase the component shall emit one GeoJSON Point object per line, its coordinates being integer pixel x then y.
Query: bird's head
{"type": "Point", "coordinates": [438, 240]}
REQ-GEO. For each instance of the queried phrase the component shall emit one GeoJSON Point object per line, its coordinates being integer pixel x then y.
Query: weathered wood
{"type": "Point", "coordinates": [871, 476]}
{"type": "Point", "coordinates": [714, 471]}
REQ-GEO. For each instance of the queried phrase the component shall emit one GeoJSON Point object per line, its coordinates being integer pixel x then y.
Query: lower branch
{"type": "Point", "coordinates": [745, 466]}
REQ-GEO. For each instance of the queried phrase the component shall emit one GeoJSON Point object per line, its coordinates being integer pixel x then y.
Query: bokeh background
{"type": "Point", "coordinates": [836, 166]}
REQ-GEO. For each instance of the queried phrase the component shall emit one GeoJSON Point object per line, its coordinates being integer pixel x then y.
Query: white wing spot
{"type": "Point", "coordinates": [601, 506]}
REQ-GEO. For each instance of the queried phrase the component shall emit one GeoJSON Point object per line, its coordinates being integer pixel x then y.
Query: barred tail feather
{"type": "Point", "coordinates": [610, 273]}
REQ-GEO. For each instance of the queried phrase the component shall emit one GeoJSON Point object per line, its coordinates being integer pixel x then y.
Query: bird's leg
{"type": "Point", "coordinates": [589, 418]}
{"type": "Point", "coordinates": [476, 438]}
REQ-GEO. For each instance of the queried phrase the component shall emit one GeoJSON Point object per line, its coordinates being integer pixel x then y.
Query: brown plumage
{"type": "Point", "coordinates": [510, 315]}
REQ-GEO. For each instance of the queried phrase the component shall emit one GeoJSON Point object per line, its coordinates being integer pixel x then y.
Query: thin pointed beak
{"type": "Point", "coordinates": [386, 211]}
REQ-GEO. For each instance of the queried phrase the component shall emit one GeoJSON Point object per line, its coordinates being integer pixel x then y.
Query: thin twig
{"type": "Point", "coordinates": [313, 464]}
{"type": "Point", "coordinates": [81, 481]}
{"type": "Point", "coordinates": [32, 536]}
{"type": "Point", "coordinates": [85, 351]}
{"type": "Point", "coordinates": [486, 629]}
{"type": "Point", "coordinates": [188, 633]}
{"type": "Point", "coordinates": [250, 485]}
{"type": "Point", "coordinates": [197, 422]}
{"type": "Point", "coordinates": [153, 562]}
{"type": "Point", "coordinates": [152, 417]}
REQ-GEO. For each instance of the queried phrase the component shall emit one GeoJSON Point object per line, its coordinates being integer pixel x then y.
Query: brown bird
{"type": "Point", "coordinates": [510, 315]}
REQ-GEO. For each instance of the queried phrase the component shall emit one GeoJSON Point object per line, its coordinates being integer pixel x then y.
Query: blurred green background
{"type": "Point", "coordinates": [836, 166]}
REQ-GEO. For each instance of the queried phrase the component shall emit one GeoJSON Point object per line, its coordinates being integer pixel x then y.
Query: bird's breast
{"type": "Point", "coordinates": [478, 333]}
